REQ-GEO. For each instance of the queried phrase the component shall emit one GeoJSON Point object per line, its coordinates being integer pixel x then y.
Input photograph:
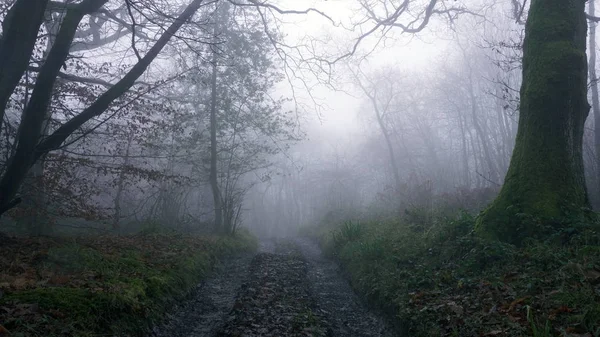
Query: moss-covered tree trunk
{"type": "Point", "coordinates": [545, 183]}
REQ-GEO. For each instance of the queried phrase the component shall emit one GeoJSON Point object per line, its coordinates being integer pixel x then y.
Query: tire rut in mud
{"type": "Point", "coordinates": [346, 313]}
{"type": "Point", "coordinates": [206, 310]}
{"type": "Point", "coordinates": [276, 300]}
{"type": "Point", "coordinates": [289, 289]}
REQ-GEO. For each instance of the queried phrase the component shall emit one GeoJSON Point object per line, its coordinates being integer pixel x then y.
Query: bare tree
{"type": "Point", "coordinates": [382, 105]}
{"type": "Point", "coordinates": [16, 50]}
{"type": "Point", "coordinates": [594, 89]}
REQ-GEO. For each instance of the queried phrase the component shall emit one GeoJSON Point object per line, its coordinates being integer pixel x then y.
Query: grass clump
{"type": "Point", "coordinates": [103, 286]}
{"type": "Point", "coordinates": [440, 279]}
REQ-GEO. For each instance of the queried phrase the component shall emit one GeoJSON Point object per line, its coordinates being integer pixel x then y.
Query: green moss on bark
{"type": "Point", "coordinates": [545, 183]}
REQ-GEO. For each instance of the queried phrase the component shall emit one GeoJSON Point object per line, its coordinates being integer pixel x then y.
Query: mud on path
{"type": "Point", "coordinates": [287, 289]}
{"type": "Point", "coordinates": [346, 313]}
{"type": "Point", "coordinates": [206, 310]}
{"type": "Point", "coordinates": [276, 301]}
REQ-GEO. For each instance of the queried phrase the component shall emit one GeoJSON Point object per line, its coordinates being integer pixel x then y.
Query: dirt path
{"type": "Point", "coordinates": [345, 312]}
{"type": "Point", "coordinates": [205, 312]}
{"type": "Point", "coordinates": [287, 289]}
{"type": "Point", "coordinates": [275, 301]}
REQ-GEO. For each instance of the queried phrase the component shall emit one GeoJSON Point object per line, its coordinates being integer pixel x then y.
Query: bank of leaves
{"type": "Point", "coordinates": [439, 279]}
{"type": "Point", "coordinates": [108, 285]}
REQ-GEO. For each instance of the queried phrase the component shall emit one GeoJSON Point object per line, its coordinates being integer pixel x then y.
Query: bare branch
{"type": "Point", "coordinates": [76, 78]}
{"type": "Point", "coordinates": [257, 3]}
{"type": "Point", "coordinates": [592, 18]}
{"type": "Point", "coordinates": [135, 50]}
{"type": "Point", "coordinates": [104, 101]}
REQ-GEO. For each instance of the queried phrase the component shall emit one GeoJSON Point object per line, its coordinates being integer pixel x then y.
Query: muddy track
{"type": "Point", "coordinates": [287, 289]}
{"type": "Point", "coordinates": [343, 309]}
{"type": "Point", "coordinates": [206, 310]}
{"type": "Point", "coordinates": [275, 301]}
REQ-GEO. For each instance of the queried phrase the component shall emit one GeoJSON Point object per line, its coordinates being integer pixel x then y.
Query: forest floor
{"type": "Point", "coordinates": [438, 282]}
{"type": "Point", "coordinates": [167, 285]}
{"type": "Point", "coordinates": [109, 285]}
{"type": "Point", "coordinates": [289, 289]}
{"type": "Point", "coordinates": [436, 278]}
{"type": "Point", "coordinates": [205, 312]}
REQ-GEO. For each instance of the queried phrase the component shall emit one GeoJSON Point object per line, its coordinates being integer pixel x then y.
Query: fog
{"type": "Point", "coordinates": [447, 97]}
{"type": "Point", "coordinates": [299, 168]}
{"type": "Point", "coordinates": [340, 118]}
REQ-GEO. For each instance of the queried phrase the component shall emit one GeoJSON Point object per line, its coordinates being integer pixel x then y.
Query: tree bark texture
{"type": "Point", "coordinates": [545, 182]}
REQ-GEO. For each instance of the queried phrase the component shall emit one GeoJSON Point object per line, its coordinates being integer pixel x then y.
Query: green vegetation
{"type": "Point", "coordinates": [441, 279]}
{"type": "Point", "coordinates": [103, 286]}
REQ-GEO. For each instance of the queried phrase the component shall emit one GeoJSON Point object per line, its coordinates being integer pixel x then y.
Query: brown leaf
{"type": "Point", "coordinates": [516, 302]}
{"type": "Point", "coordinates": [22, 283]}
{"type": "Point", "coordinates": [59, 280]}
{"type": "Point", "coordinates": [56, 313]}
{"type": "Point", "coordinates": [511, 276]}
{"type": "Point", "coordinates": [593, 276]}
{"type": "Point", "coordinates": [457, 309]}
{"type": "Point", "coordinates": [560, 310]}
{"type": "Point", "coordinates": [23, 309]}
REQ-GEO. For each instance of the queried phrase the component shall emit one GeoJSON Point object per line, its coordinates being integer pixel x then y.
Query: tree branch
{"type": "Point", "coordinates": [103, 102]}
{"type": "Point", "coordinates": [75, 78]}
{"type": "Point", "coordinates": [135, 50]}
{"type": "Point", "coordinates": [33, 117]}
{"type": "Point", "coordinates": [592, 18]}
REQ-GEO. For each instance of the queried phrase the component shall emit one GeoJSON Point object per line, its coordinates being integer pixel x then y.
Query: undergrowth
{"type": "Point", "coordinates": [103, 286]}
{"type": "Point", "coordinates": [440, 279]}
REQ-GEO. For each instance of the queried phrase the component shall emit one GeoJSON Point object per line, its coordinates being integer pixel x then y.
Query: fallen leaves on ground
{"type": "Point", "coordinates": [454, 283]}
{"type": "Point", "coordinates": [53, 287]}
{"type": "Point", "coordinates": [275, 301]}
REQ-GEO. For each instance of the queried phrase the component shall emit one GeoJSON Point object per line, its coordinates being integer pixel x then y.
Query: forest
{"type": "Point", "coordinates": [213, 168]}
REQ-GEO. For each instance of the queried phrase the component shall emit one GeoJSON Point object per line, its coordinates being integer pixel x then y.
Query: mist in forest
{"type": "Point", "coordinates": [283, 167]}
{"type": "Point", "coordinates": [278, 115]}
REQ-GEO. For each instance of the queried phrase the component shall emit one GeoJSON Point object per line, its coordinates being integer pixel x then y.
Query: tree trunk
{"type": "Point", "coordinates": [35, 201]}
{"type": "Point", "coordinates": [34, 114]}
{"type": "Point", "coordinates": [594, 89]}
{"type": "Point", "coordinates": [121, 183]}
{"type": "Point", "coordinates": [481, 133]}
{"type": "Point", "coordinates": [384, 131]}
{"type": "Point", "coordinates": [466, 176]}
{"type": "Point", "coordinates": [390, 147]}
{"type": "Point", "coordinates": [214, 182]}
{"type": "Point", "coordinates": [19, 33]}
{"type": "Point", "coordinates": [504, 135]}
{"type": "Point", "coordinates": [545, 183]}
